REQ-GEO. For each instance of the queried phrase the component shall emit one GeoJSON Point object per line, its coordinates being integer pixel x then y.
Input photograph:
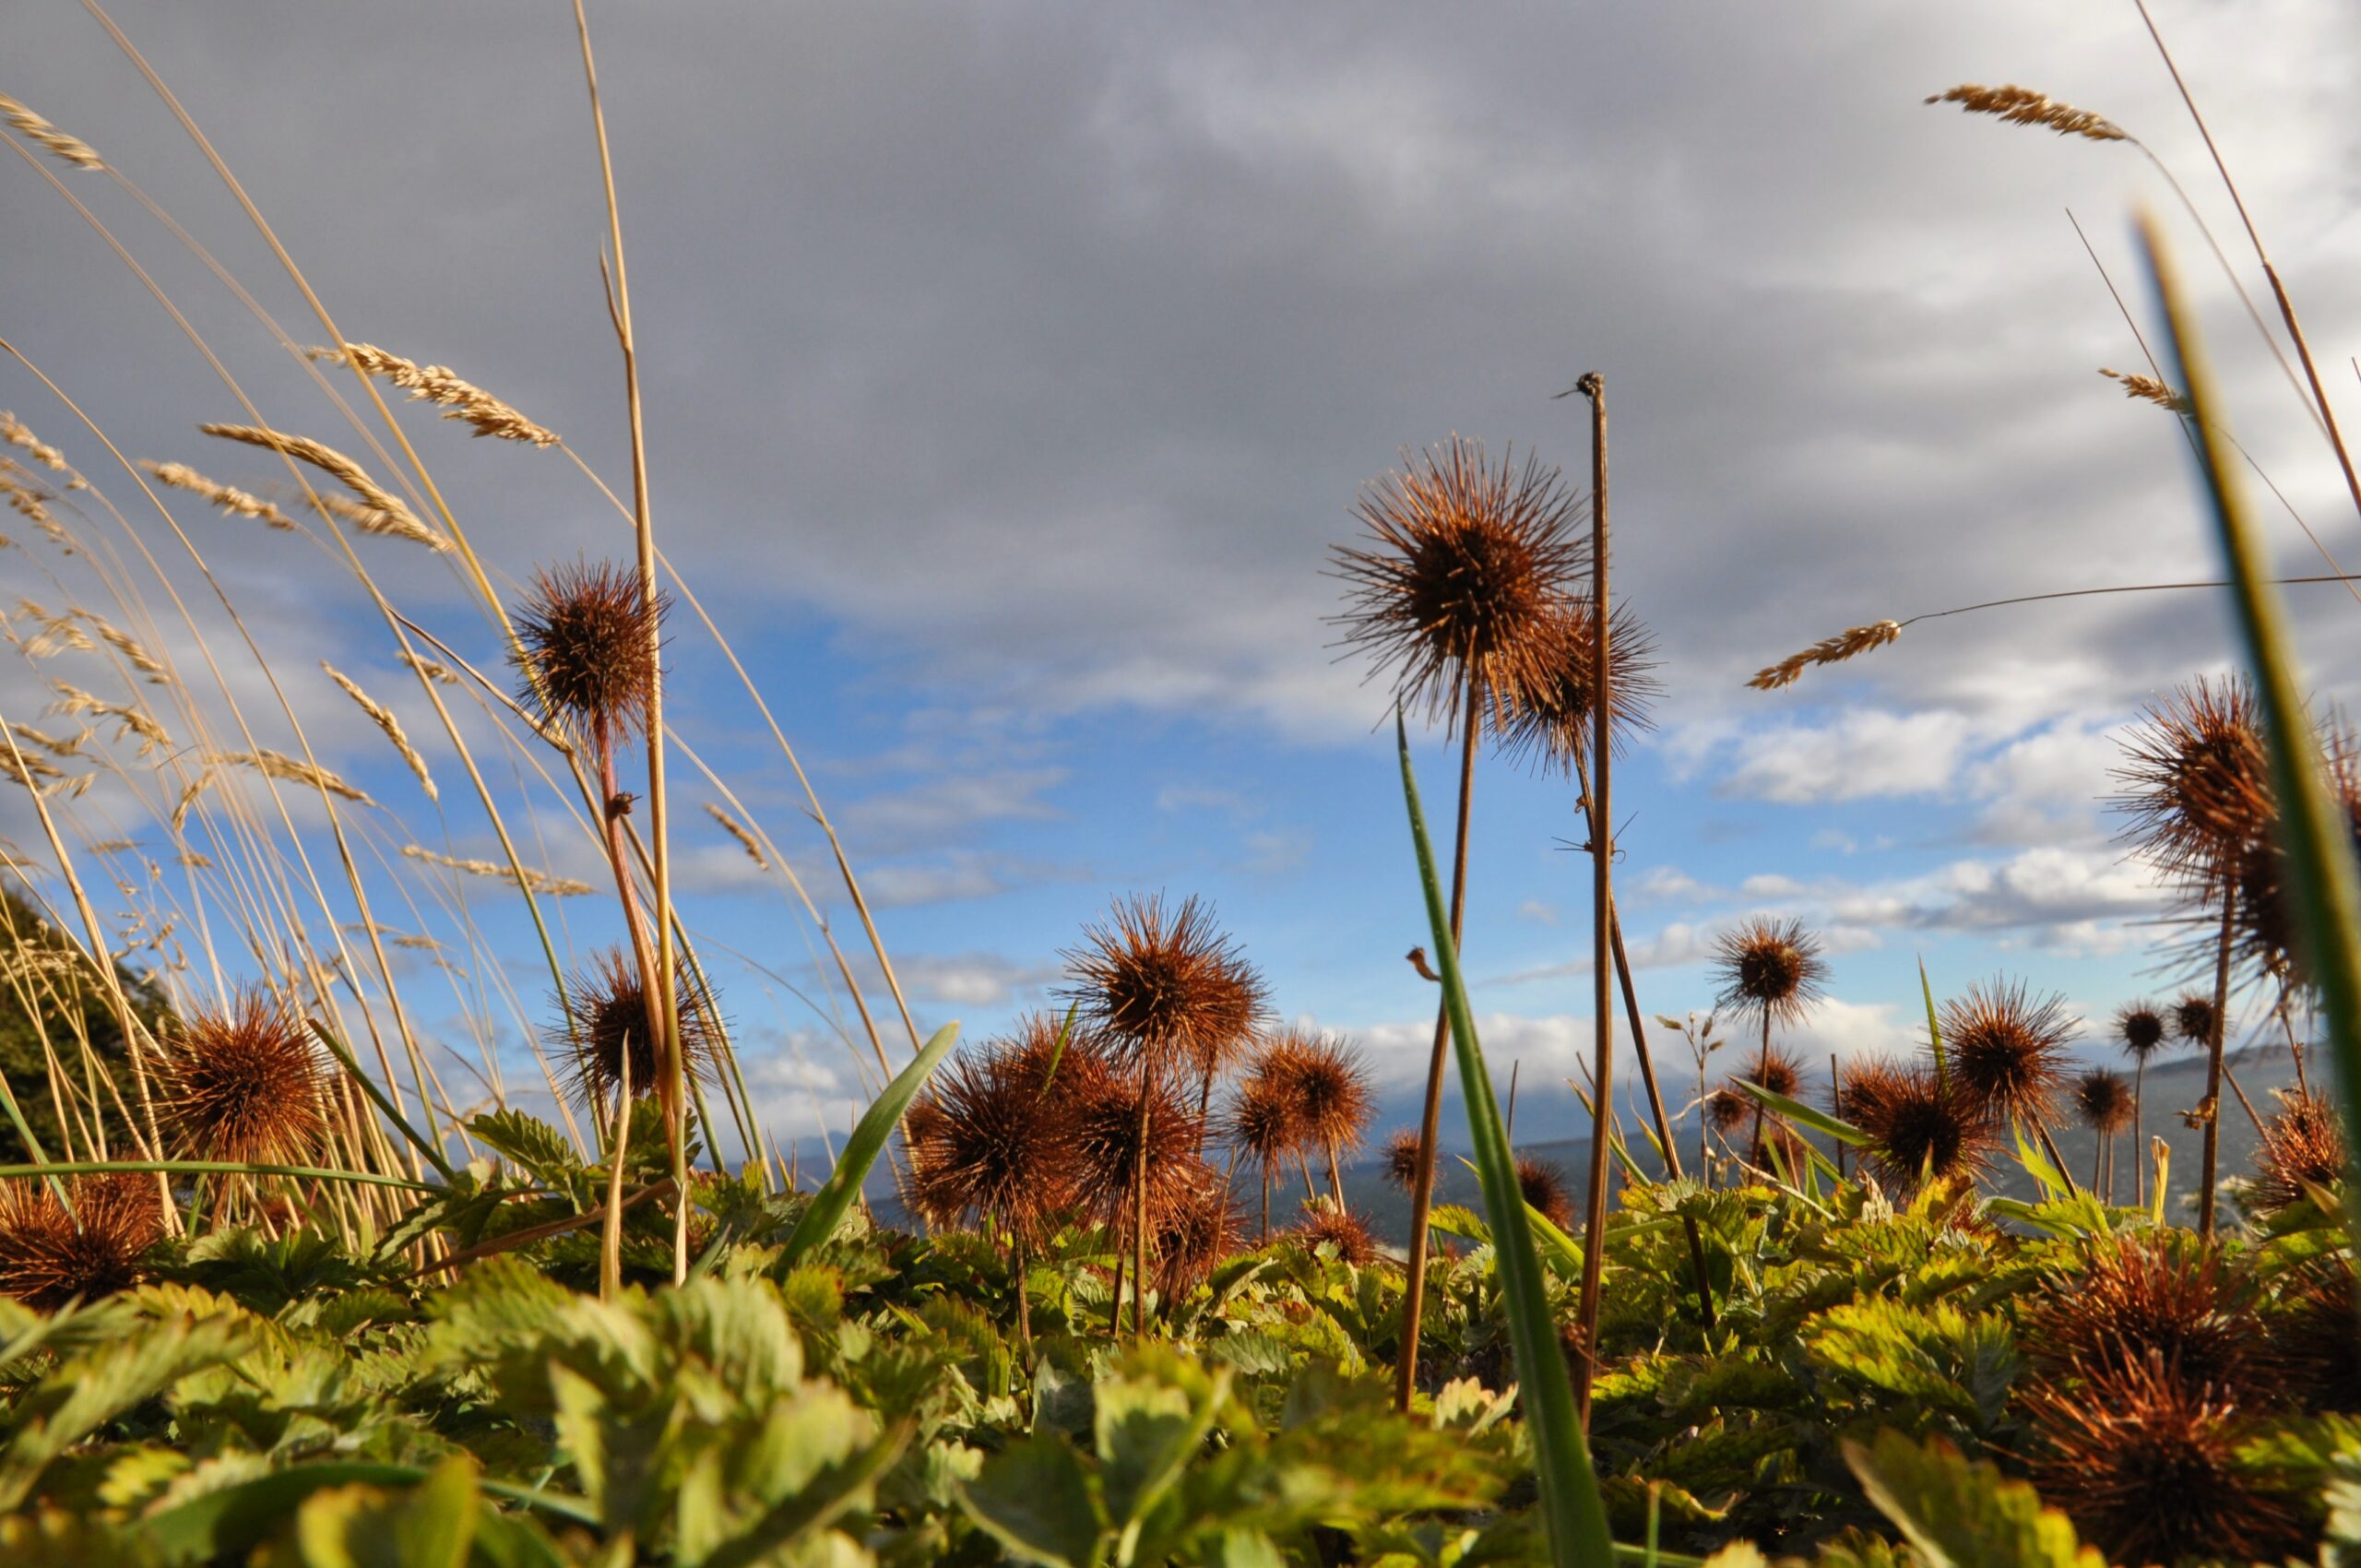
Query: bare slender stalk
{"type": "Point", "coordinates": [671, 1069]}
{"type": "Point", "coordinates": [1422, 1186]}
{"type": "Point", "coordinates": [611, 1234]}
{"type": "Point", "coordinates": [1602, 850]}
{"type": "Point", "coordinates": [2207, 1161]}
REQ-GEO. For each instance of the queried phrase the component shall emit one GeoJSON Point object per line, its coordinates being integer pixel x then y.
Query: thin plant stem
{"type": "Point", "coordinates": [1602, 850]}
{"type": "Point", "coordinates": [2207, 1161]}
{"type": "Point", "coordinates": [1422, 1185]}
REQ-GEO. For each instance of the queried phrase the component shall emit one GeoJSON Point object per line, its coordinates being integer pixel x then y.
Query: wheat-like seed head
{"type": "Point", "coordinates": [382, 716]}
{"type": "Point", "coordinates": [737, 830]}
{"type": "Point", "coordinates": [440, 674]}
{"type": "Point", "coordinates": [535, 881]}
{"type": "Point", "coordinates": [76, 703]}
{"type": "Point", "coordinates": [2148, 390]}
{"type": "Point", "coordinates": [123, 642]}
{"type": "Point", "coordinates": [34, 128]}
{"type": "Point", "coordinates": [441, 386]}
{"type": "Point", "coordinates": [16, 433]}
{"type": "Point", "coordinates": [2022, 106]}
{"type": "Point", "coordinates": [1847, 644]}
{"type": "Point", "coordinates": [385, 512]}
{"type": "Point", "coordinates": [230, 499]}
{"type": "Point", "coordinates": [278, 765]}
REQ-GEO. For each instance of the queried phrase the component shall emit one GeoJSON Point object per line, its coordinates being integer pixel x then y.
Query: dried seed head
{"type": "Point", "coordinates": [2141, 1029]}
{"type": "Point", "coordinates": [1401, 1158]}
{"type": "Point", "coordinates": [2156, 1292]}
{"type": "Point", "coordinates": [1264, 1120]}
{"type": "Point", "coordinates": [2267, 928]}
{"type": "Point", "coordinates": [2008, 1048]}
{"type": "Point", "coordinates": [588, 639]}
{"type": "Point", "coordinates": [1924, 1124]}
{"type": "Point", "coordinates": [2147, 1465]}
{"type": "Point", "coordinates": [2193, 1019]}
{"type": "Point", "coordinates": [484, 413]}
{"type": "Point", "coordinates": [2022, 106]}
{"type": "Point", "coordinates": [1769, 968]}
{"type": "Point", "coordinates": [1844, 645]}
{"type": "Point", "coordinates": [1550, 718]}
{"type": "Point", "coordinates": [1166, 986]}
{"type": "Point", "coordinates": [1729, 1110]}
{"type": "Point", "coordinates": [1328, 1084]}
{"type": "Point", "coordinates": [1863, 1089]}
{"type": "Point", "coordinates": [603, 1029]}
{"type": "Point", "coordinates": [2312, 1337]}
{"type": "Point", "coordinates": [1777, 1070]}
{"type": "Point", "coordinates": [245, 1084]}
{"type": "Point", "coordinates": [2197, 782]}
{"type": "Point", "coordinates": [2148, 390]}
{"type": "Point", "coordinates": [994, 1142]}
{"type": "Point", "coordinates": [49, 1257]}
{"type": "Point", "coordinates": [1543, 1185]}
{"type": "Point", "coordinates": [2303, 1147]}
{"type": "Point", "coordinates": [381, 511]}
{"type": "Point", "coordinates": [1108, 1154]}
{"type": "Point", "coordinates": [40, 132]}
{"type": "Point", "coordinates": [1195, 1226]}
{"type": "Point", "coordinates": [1459, 571]}
{"type": "Point", "coordinates": [2103, 1100]}
{"type": "Point", "coordinates": [1326, 1225]}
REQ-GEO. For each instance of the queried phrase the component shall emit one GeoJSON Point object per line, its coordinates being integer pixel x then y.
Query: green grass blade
{"type": "Point", "coordinates": [1570, 1505]}
{"type": "Point", "coordinates": [213, 1168]}
{"type": "Point", "coordinates": [1934, 1029]}
{"type": "Point", "coordinates": [1798, 1111]}
{"type": "Point", "coordinates": [2313, 833]}
{"type": "Point", "coordinates": [377, 1097]}
{"type": "Point", "coordinates": [868, 1141]}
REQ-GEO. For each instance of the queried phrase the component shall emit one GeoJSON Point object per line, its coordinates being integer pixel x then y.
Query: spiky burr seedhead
{"type": "Point", "coordinates": [587, 651]}
{"type": "Point", "coordinates": [1543, 1185]}
{"type": "Point", "coordinates": [1164, 986]}
{"type": "Point", "coordinates": [2103, 1100]}
{"type": "Point", "coordinates": [997, 1144]}
{"type": "Point", "coordinates": [1769, 970]}
{"type": "Point", "coordinates": [1326, 1225]}
{"type": "Point", "coordinates": [2007, 1047]}
{"type": "Point", "coordinates": [1328, 1082]}
{"type": "Point", "coordinates": [1401, 1158]}
{"type": "Point", "coordinates": [2162, 1292]}
{"type": "Point", "coordinates": [2303, 1147]}
{"type": "Point", "coordinates": [2140, 1028]}
{"type": "Point", "coordinates": [244, 1083]}
{"type": "Point", "coordinates": [49, 1257]}
{"type": "Point", "coordinates": [2196, 780]}
{"type": "Point", "coordinates": [603, 1027]}
{"type": "Point", "coordinates": [1549, 718]}
{"type": "Point", "coordinates": [1926, 1125]}
{"type": "Point", "coordinates": [1460, 566]}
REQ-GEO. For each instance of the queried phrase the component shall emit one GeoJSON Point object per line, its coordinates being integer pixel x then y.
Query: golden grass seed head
{"type": "Point", "coordinates": [588, 639]}
{"type": "Point", "coordinates": [1847, 644]}
{"type": "Point", "coordinates": [1460, 568]}
{"type": "Point", "coordinates": [244, 1083]}
{"type": "Point", "coordinates": [2023, 106]}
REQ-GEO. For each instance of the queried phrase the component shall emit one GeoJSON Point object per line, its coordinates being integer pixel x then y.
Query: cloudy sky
{"type": "Point", "coordinates": [1010, 372]}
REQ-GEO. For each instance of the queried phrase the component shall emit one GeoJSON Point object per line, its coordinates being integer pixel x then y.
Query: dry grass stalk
{"type": "Point", "coordinates": [193, 861]}
{"type": "Point", "coordinates": [384, 512]}
{"type": "Point", "coordinates": [76, 703]}
{"type": "Point", "coordinates": [441, 386]}
{"type": "Point", "coordinates": [230, 499]}
{"type": "Point", "coordinates": [2148, 390]}
{"type": "Point", "coordinates": [535, 881]}
{"type": "Point", "coordinates": [195, 787]}
{"type": "Point", "coordinates": [737, 830]}
{"type": "Point", "coordinates": [382, 716]}
{"type": "Point", "coordinates": [2022, 106]}
{"type": "Point", "coordinates": [278, 765]}
{"type": "Point", "coordinates": [14, 431]}
{"type": "Point", "coordinates": [1850, 643]}
{"type": "Point", "coordinates": [34, 128]}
